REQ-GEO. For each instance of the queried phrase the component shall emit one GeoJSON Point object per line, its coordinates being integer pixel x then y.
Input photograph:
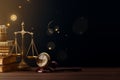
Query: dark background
{"type": "Point", "coordinates": [89, 33]}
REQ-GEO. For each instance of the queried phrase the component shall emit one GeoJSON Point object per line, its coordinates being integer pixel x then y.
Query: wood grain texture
{"type": "Point", "coordinates": [65, 74]}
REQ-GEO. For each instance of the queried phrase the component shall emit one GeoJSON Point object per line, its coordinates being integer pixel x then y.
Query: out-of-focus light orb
{"type": "Point", "coordinates": [28, 0]}
{"type": "Point", "coordinates": [8, 24]}
{"type": "Point", "coordinates": [53, 27]}
{"type": "Point", "coordinates": [49, 48]}
{"type": "Point", "coordinates": [13, 17]}
{"type": "Point", "coordinates": [58, 32]}
{"type": "Point", "coordinates": [51, 45]}
{"type": "Point", "coordinates": [50, 31]}
{"type": "Point", "coordinates": [19, 7]}
{"type": "Point", "coordinates": [56, 28]}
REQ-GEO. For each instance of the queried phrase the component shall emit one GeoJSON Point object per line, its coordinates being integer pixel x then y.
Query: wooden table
{"type": "Point", "coordinates": [65, 74]}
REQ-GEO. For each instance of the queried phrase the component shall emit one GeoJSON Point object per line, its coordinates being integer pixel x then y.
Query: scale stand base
{"type": "Point", "coordinates": [23, 66]}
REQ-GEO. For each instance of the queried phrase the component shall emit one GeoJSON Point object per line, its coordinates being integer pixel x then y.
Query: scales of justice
{"type": "Point", "coordinates": [16, 47]}
{"type": "Point", "coordinates": [11, 47]}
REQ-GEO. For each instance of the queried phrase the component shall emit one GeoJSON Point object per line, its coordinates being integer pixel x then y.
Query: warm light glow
{"type": "Point", "coordinates": [49, 48]}
{"type": "Point", "coordinates": [13, 17]}
{"type": "Point", "coordinates": [8, 24]}
{"type": "Point", "coordinates": [28, 0]}
{"type": "Point", "coordinates": [56, 28]}
{"type": "Point", "coordinates": [51, 45]}
{"type": "Point", "coordinates": [20, 7]}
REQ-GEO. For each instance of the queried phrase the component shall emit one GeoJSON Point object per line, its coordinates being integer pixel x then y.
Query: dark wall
{"type": "Point", "coordinates": [89, 33]}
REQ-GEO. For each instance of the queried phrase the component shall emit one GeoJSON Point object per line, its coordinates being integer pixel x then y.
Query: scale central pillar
{"type": "Point", "coordinates": [23, 65]}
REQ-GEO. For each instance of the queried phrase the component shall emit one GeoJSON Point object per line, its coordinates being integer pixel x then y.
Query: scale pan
{"type": "Point", "coordinates": [32, 57]}
{"type": "Point", "coordinates": [16, 54]}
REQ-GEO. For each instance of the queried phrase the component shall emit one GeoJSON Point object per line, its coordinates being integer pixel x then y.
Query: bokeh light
{"type": "Point", "coordinates": [28, 0]}
{"type": "Point", "coordinates": [58, 32]}
{"type": "Point", "coordinates": [13, 17]}
{"type": "Point", "coordinates": [49, 48]}
{"type": "Point", "coordinates": [53, 27]}
{"type": "Point", "coordinates": [19, 6]}
{"type": "Point", "coordinates": [50, 31]}
{"type": "Point", "coordinates": [51, 45]}
{"type": "Point", "coordinates": [56, 28]}
{"type": "Point", "coordinates": [8, 24]}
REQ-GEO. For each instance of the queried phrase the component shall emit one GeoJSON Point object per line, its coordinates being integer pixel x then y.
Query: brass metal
{"type": "Point", "coordinates": [3, 33]}
{"type": "Point", "coordinates": [23, 65]}
{"type": "Point", "coordinates": [32, 57]}
{"type": "Point", "coordinates": [43, 59]}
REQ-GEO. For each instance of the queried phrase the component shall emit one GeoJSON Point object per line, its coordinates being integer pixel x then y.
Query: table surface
{"type": "Point", "coordinates": [65, 74]}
